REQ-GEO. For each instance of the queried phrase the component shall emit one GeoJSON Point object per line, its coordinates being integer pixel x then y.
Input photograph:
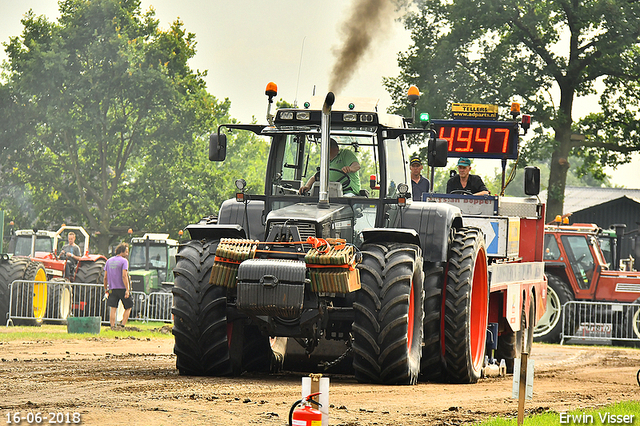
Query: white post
{"type": "Point", "coordinates": [324, 400]}
{"type": "Point", "coordinates": [306, 387]}
{"type": "Point", "coordinates": [316, 383]}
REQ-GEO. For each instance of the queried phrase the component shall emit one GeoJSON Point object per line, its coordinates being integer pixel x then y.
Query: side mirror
{"type": "Point", "coordinates": [437, 153]}
{"type": "Point", "coordinates": [217, 147]}
{"type": "Point", "coordinates": [531, 180]}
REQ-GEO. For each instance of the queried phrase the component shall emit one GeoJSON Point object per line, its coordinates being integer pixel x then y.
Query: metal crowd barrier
{"type": "Point", "coordinates": [589, 321]}
{"type": "Point", "coordinates": [34, 302]}
{"type": "Point", "coordinates": [159, 307]}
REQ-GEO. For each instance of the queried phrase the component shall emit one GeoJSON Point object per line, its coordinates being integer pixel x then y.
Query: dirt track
{"type": "Point", "coordinates": [134, 382]}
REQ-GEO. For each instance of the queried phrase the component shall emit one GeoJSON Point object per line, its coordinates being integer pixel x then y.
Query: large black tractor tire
{"type": "Point", "coordinates": [10, 270]}
{"type": "Point", "coordinates": [388, 314]}
{"type": "Point", "coordinates": [90, 272]}
{"type": "Point", "coordinates": [254, 347]}
{"type": "Point", "coordinates": [549, 327]}
{"type": "Point", "coordinates": [206, 343]}
{"type": "Point", "coordinates": [431, 363]}
{"type": "Point", "coordinates": [466, 307]}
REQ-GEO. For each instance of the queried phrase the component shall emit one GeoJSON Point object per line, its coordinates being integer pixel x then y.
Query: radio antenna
{"type": "Point", "coordinates": [295, 101]}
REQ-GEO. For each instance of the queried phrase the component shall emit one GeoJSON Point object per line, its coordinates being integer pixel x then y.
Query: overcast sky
{"type": "Point", "coordinates": [244, 44]}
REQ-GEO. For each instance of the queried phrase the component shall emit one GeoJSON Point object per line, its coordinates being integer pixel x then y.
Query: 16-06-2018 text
{"type": "Point", "coordinates": [37, 418]}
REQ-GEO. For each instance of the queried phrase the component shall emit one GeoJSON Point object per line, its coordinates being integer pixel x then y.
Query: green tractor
{"type": "Point", "coordinates": [151, 263]}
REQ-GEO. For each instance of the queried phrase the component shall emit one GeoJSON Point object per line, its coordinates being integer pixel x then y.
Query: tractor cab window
{"type": "Point", "coordinates": [606, 246]}
{"type": "Point", "coordinates": [580, 258]}
{"type": "Point", "coordinates": [291, 158]}
{"type": "Point", "coordinates": [311, 157]}
{"type": "Point", "coordinates": [364, 217]}
{"type": "Point", "coordinates": [245, 147]}
{"type": "Point", "coordinates": [600, 260]}
{"type": "Point", "coordinates": [363, 149]}
{"type": "Point", "coordinates": [362, 145]}
{"type": "Point", "coordinates": [158, 256]}
{"type": "Point", "coordinates": [551, 249]}
{"type": "Point", "coordinates": [44, 244]}
{"type": "Point", "coordinates": [396, 165]}
{"type": "Point", "coordinates": [157, 259]}
{"type": "Point", "coordinates": [396, 174]}
{"type": "Point", "coordinates": [23, 245]}
{"type": "Point", "coordinates": [137, 257]}
{"type": "Point", "coordinates": [289, 172]}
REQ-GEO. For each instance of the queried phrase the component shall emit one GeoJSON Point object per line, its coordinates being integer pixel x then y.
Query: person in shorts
{"type": "Point", "coordinates": [117, 284]}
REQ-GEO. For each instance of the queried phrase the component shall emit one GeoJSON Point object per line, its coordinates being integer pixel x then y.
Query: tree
{"type": "Point", "coordinates": [185, 185]}
{"type": "Point", "coordinates": [96, 104]}
{"type": "Point", "coordinates": [494, 51]}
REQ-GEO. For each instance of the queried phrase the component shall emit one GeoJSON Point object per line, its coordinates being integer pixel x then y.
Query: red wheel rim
{"type": "Point", "coordinates": [479, 309]}
{"type": "Point", "coordinates": [411, 313]}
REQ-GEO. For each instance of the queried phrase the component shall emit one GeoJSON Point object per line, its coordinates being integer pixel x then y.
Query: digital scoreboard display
{"type": "Point", "coordinates": [479, 138]}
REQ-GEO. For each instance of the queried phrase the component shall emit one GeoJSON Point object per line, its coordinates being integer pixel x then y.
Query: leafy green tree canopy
{"type": "Point", "coordinates": [96, 106]}
{"type": "Point", "coordinates": [499, 51]}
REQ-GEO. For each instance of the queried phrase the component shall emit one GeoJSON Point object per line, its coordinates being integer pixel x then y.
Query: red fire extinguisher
{"type": "Point", "coordinates": [303, 414]}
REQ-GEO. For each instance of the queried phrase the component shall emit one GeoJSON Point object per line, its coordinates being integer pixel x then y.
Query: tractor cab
{"type": "Point", "coordinates": [339, 204]}
{"type": "Point", "coordinates": [33, 243]}
{"type": "Point", "coordinates": [151, 262]}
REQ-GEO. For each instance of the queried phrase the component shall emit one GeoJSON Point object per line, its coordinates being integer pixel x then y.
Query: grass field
{"type": "Point", "coordinates": [136, 329]}
{"type": "Point", "coordinates": [607, 415]}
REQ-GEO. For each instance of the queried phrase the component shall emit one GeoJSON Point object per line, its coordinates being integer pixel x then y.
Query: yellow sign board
{"type": "Point", "coordinates": [463, 110]}
{"type": "Point", "coordinates": [513, 239]}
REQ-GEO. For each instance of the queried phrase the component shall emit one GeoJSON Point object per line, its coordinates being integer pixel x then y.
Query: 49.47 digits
{"type": "Point", "coordinates": [480, 140]}
{"type": "Point", "coordinates": [37, 418]}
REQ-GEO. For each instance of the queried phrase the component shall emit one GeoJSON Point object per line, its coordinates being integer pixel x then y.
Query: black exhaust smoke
{"type": "Point", "coordinates": [368, 22]}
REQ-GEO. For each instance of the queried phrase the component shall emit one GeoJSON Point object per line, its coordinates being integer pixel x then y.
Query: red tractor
{"type": "Point", "coordinates": [581, 263]}
{"type": "Point", "coordinates": [40, 250]}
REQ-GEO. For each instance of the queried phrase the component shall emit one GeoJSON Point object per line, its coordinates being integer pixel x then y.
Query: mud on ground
{"type": "Point", "coordinates": [133, 381]}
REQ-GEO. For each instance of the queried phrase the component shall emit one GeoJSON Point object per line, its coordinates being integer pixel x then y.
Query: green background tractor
{"type": "Point", "coordinates": [151, 263]}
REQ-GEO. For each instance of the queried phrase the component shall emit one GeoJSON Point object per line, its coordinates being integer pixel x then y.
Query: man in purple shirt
{"type": "Point", "coordinates": [117, 284]}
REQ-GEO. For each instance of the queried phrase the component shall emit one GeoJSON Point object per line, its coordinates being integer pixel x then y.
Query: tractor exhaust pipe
{"type": "Point", "coordinates": [325, 131]}
{"type": "Point", "coordinates": [617, 254]}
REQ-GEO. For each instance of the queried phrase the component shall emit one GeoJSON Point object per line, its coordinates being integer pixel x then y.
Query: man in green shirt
{"type": "Point", "coordinates": [345, 166]}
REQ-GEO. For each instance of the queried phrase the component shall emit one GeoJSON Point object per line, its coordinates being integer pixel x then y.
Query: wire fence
{"type": "Point", "coordinates": [589, 321]}
{"type": "Point", "coordinates": [36, 302]}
